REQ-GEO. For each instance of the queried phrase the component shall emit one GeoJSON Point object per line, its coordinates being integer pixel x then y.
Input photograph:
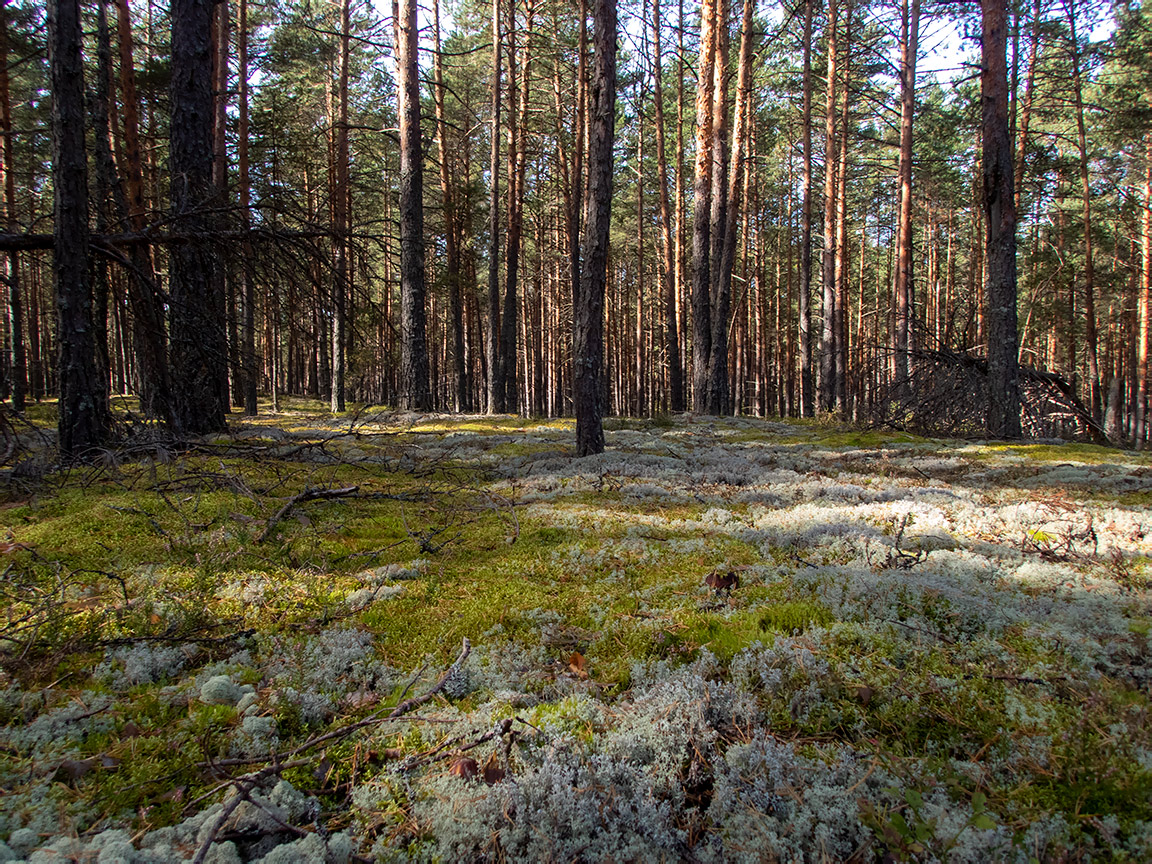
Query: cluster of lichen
{"type": "Point", "coordinates": [934, 649]}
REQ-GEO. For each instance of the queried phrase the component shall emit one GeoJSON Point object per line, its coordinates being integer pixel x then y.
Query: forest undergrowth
{"type": "Point", "coordinates": [398, 637]}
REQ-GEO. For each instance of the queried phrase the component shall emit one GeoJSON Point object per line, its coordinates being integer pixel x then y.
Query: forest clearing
{"type": "Point", "coordinates": [394, 637]}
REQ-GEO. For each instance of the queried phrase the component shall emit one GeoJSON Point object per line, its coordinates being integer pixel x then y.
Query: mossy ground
{"type": "Point", "coordinates": [605, 560]}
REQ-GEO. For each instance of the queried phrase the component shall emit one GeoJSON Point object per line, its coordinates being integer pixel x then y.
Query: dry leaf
{"type": "Point", "coordinates": [722, 581]}
{"type": "Point", "coordinates": [130, 730]}
{"type": "Point", "coordinates": [492, 772]}
{"type": "Point", "coordinates": [578, 664]}
{"type": "Point", "coordinates": [176, 794]}
{"type": "Point", "coordinates": [864, 694]}
{"type": "Point", "coordinates": [464, 767]}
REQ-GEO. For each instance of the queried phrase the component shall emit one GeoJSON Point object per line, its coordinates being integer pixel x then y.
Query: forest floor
{"type": "Point", "coordinates": [399, 637]}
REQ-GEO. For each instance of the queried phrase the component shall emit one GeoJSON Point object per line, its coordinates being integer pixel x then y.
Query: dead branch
{"type": "Point", "coordinates": [309, 494]}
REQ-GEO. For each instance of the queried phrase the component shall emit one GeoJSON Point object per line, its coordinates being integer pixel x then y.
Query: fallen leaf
{"type": "Point", "coordinates": [71, 770]}
{"type": "Point", "coordinates": [176, 794]}
{"type": "Point", "coordinates": [722, 581]}
{"type": "Point", "coordinates": [578, 664]}
{"type": "Point", "coordinates": [492, 772]}
{"type": "Point", "coordinates": [464, 767]}
{"type": "Point", "coordinates": [130, 730]}
{"type": "Point", "coordinates": [864, 694]}
{"type": "Point", "coordinates": [109, 762]}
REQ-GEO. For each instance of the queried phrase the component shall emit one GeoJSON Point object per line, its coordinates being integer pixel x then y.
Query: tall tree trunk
{"type": "Point", "coordinates": [807, 381]}
{"type": "Point", "coordinates": [716, 402]}
{"type": "Point", "coordinates": [1026, 109]}
{"type": "Point", "coordinates": [451, 229]}
{"type": "Point", "coordinates": [18, 360]}
{"type": "Point", "coordinates": [1140, 419]}
{"type": "Point", "coordinates": [148, 334]}
{"type": "Point", "coordinates": [249, 284]}
{"type": "Point", "coordinates": [340, 216]}
{"type": "Point", "coordinates": [495, 377]}
{"type": "Point", "coordinates": [517, 161]}
{"type": "Point", "coordinates": [83, 412]}
{"type": "Point", "coordinates": [1086, 190]}
{"type": "Point", "coordinates": [828, 258]}
{"type": "Point", "coordinates": [702, 203]}
{"type": "Point", "coordinates": [668, 248]}
{"type": "Point", "coordinates": [414, 389]}
{"type": "Point", "coordinates": [840, 361]}
{"type": "Point", "coordinates": [199, 347]}
{"type": "Point", "coordinates": [1000, 211]}
{"type": "Point", "coordinates": [588, 308]}
{"type": "Point", "coordinates": [909, 47]}
{"type": "Point", "coordinates": [220, 94]}
{"type": "Point", "coordinates": [735, 181]}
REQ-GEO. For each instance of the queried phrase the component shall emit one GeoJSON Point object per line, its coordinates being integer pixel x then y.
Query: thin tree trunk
{"type": "Point", "coordinates": [717, 396]}
{"type": "Point", "coordinates": [668, 248]}
{"type": "Point", "coordinates": [588, 309]}
{"type": "Point", "coordinates": [1026, 109]}
{"type": "Point", "coordinates": [83, 410]}
{"type": "Point", "coordinates": [414, 389]}
{"type": "Point", "coordinates": [451, 229]}
{"type": "Point", "coordinates": [1086, 189]}
{"type": "Point", "coordinates": [248, 284]}
{"type": "Point", "coordinates": [909, 46]}
{"type": "Point", "coordinates": [828, 262]}
{"type": "Point", "coordinates": [1140, 422]}
{"type": "Point", "coordinates": [702, 193]}
{"type": "Point", "coordinates": [11, 260]}
{"type": "Point", "coordinates": [807, 383]}
{"type": "Point", "coordinates": [495, 377]}
{"type": "Point", "coordinates": [1000, 211]}
{"type": "Point", "coordinates": [340, 216]}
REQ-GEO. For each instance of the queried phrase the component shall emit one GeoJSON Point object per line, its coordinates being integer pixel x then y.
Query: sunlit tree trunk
{"type": "Point", "coordinates": [909, 46]}
{"type": "Point", "coordinates": [828, 262]}
{"type": "Point", "coordinates": [702, 203]}
{"type": "Point", "coordinates": [248, 336]}
{"type": "Point", "coordinates": [340, 216]}
{"type": "Point", "coordinates": [495, 377]}
{"type": "Point", "coordinates": [717, 384]}
{"type": "Point", "coordinates": [807, 381]}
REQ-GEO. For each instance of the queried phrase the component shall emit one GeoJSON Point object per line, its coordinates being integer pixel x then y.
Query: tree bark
{"type": "Point", "coordinates": [414, 389]}
{"type": "Point", "coordinates": [588, 310]}
{"type": "Point", "coordinates": [702, 204]}
{"type": "Point", "coordinates": [1140, 419]}
{"type": "Point", "coordinates": [1026, 109]}
{"type": "Point", "coordinates": [198, 346]}
{"type": "Point", "coordinates": [84, 420]}
{"type": "Point", "coordinates": [1000, 213]}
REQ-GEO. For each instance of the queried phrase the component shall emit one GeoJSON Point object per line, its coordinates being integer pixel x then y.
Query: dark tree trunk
{"type": "Point", "coordinates": [249, 285]}
{"type": "Point", "coordinates": [83, 420]}
{"type": "Point", "coordinates": [148, 333]}
{"type": "Point", "coordinates": [199, 349]}
{"type": "Point", "coordinates": [717, 386]}
{"type": "Point", "coordinates": [1000, 211]}
{"type": "Point", "coordinates": [19, 370]}
{"type": "Point", "coordinates": [588, 310]}
{"type": "Point", "coordinates": [415, 394]}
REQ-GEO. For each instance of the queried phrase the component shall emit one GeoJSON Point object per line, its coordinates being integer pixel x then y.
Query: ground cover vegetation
{"type": "Point", "coordinates": [384, 636]}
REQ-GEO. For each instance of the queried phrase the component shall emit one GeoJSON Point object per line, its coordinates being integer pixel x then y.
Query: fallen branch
{"type": "Point", "coordinates": [307, 495]}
